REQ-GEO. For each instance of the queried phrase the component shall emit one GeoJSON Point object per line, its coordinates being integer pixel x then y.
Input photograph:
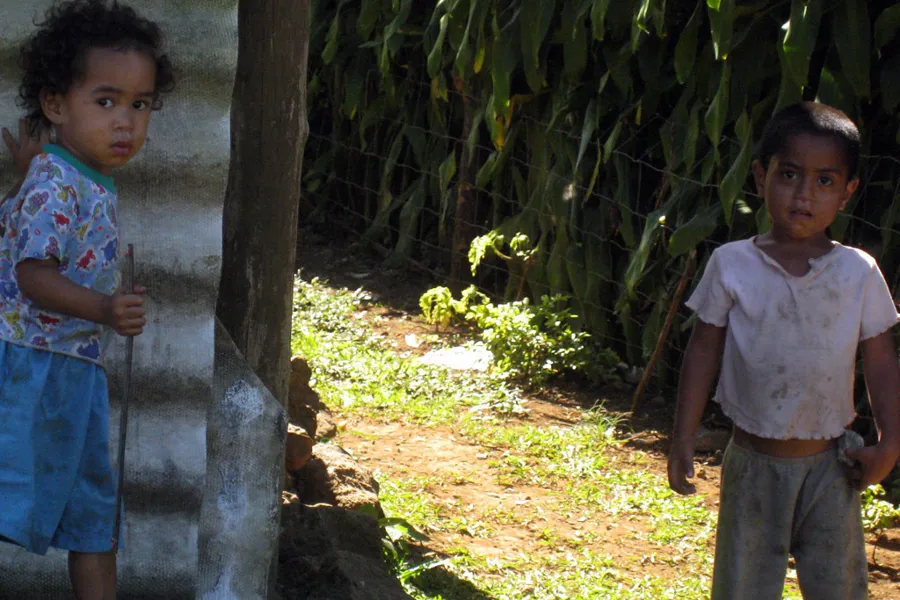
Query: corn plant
{"type": "Point", "coordinates": [615, 136]}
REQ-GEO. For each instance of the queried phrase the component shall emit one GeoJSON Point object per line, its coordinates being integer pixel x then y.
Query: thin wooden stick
{"type": "Point", "coordinates": [667, 326]}
{"type": "Point", "coordinates": [126, 397]}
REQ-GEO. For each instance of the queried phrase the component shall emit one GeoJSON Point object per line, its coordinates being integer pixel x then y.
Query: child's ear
{"type": "Point", "coordinates": [849, 191]}
{"type": "Point", "coordinates": [51, 105]}
{"type": "Point", "coordinates": [759, 177]}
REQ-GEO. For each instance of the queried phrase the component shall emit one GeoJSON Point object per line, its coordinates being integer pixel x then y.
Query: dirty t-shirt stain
{"type": "Point", "coordinates": [790, 348]}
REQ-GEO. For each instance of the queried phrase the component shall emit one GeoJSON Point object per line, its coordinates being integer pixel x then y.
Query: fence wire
{"type": "Point", "coordinates": [353, 194]}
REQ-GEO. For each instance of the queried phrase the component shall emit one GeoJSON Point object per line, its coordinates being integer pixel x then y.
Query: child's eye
{"type": "Point", "coordinates": [141, 105]}
{"type": "Point", "coordinates": [105, 102]}
{"type": "Point", "coordinates": [789, 175]}
{"type": "Point", "coordinates": [825, 180]}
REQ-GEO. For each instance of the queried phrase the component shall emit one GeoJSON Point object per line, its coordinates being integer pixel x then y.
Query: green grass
{"type": "Point", "coordinates": [589, 477]}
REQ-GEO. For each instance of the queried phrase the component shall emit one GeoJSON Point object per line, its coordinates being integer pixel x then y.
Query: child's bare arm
{"type": "Point", "coordinates": [882, 372]}
{"type": "Point", "coordinates": [45, 286]}
{"type": "Point", "coordinates": [698, 371]}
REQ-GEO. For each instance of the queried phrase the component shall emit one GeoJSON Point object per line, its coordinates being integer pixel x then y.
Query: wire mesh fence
{"type": "Point", "coordinates": [620, 224]}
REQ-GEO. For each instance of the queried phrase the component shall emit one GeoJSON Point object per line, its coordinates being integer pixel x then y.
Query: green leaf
{"type": "Point", "coordinates": [331, 44]}
{"type": "Point", "coordinates": [686, 49]}
{"type": "Point", "coordinates": [587, 131]}
{"type": "Point", "coordinates": [598, 18]}
{"type": "Point", "coordinates": [613, 139]}
{"type": "Point", "coordinates": [536, 17]}
{"type": "Point", "coordinates": [635, 271]}
{"type": "Point", "coordinates": [691, 137]}
{"type": "Point", "coordinates": [717, 113]}
{"type": "Point", "coordinates": [354, 86]}
{"type": "Point", "coordinates": [369, 12]}
{"type": "Point", "coordinates": [504, 60]}
{"type": "Point", "coordinates": [653, 327]}
{"type": "Point", "coordinates": [447, 171]}
{"type": "Point", "coordinates": [398, 528]}
{"type": "Point", "coordinates": [721, 22]}
{"type": "Point", "coordinates": [623, 198]}
{"type": "Point", "coordinates": [478, 10]}
{"type": "Point", "coordinates": [789, 92]}
{"type": "Point", "coordinates": [487, 171]}
{"type": "Point", "coordinates": [399, 20]}
{"type": "Point", "coordinates": [800, 40]}
{"type": "Point", "coordinates": [736, 177]}
{"type": "Point", "coordinates": [887, 25]}
{"type": "Point", "coordinates": [890, 84]}
{"type": "Point", "coordinates": [436, 56]}
{"type": "Point", "coordinates": [575, 46]}
{"type": "Point", "coordinates": [853, 39]}
{"type": "Point", "coordinates": [834, 90]}
{"type": "Point", "coordinates": [408, 225]}
{"type": "Point", "coordinates": [698, 228]}
{"type": "Point", "coordinates": [643, 15]}
{"type": "Point", "coordinates": [557, 274]}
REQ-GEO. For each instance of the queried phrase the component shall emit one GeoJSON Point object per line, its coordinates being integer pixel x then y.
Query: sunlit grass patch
{"type": "Point", "coordinates": [582, 575]}
{"type": "Point", "coordinates": [582, 468]}
{"type": "Point", "coordinates": [355, 373]}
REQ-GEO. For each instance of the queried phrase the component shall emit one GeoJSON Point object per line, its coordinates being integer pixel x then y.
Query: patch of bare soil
{"type": "Point", "coordinates": [493, 519]}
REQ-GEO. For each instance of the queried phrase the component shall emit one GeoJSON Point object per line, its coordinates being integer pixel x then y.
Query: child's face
{"type": "Point", "coordinates": [102, 120]}
{"type": "Point", "coordinates": [805, 186]}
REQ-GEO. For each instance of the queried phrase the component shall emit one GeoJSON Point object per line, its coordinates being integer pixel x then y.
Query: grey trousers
{"type": "Point", "coordinates": [771, 507]}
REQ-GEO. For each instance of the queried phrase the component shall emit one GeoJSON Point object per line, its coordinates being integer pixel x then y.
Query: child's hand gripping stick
{"type": "Point", "coordinates": [126, 396]}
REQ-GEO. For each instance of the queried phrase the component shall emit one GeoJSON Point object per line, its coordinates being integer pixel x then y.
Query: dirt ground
{"type": "Point", "coordinates": [398, 450]}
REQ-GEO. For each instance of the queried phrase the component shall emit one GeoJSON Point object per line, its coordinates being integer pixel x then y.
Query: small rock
{"type": "Point", "coordinates": [327, 428]}
{"type": "Point", "coordinates": [298, 449]}
{"type": "Point", "coordinates": [326, 553]}
{"type": "Point", "coordinates": [334, 477]}
{"type": "Point", "coordinates": [658, 402]}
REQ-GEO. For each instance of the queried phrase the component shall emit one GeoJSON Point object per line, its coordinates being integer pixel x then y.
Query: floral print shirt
{"type": "Point", "coordinates": [67, 211]}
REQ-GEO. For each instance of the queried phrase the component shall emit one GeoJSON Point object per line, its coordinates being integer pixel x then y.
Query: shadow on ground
{"type": "Point", "coordinates": [440, 580]}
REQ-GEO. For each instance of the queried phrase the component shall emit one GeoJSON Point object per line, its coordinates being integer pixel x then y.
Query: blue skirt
{"type": "Point", "coordinates": [56, 482]}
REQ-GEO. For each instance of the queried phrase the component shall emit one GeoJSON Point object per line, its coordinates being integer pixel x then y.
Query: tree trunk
{"type": "Point", "coordinates": [269, 129]}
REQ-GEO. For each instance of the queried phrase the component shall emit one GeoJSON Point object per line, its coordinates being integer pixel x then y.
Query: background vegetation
{"type": "Point", "coordinates": [598, 146]}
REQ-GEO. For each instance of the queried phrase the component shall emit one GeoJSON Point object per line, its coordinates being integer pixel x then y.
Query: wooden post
{"type": "Point", "coordinates": [269, 130]}
{"type": "Point", "coordinates": [664, 334]}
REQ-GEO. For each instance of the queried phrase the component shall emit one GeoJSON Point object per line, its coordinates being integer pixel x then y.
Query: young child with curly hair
{"type": "Point", "coordinates": [780, 318]}
{"type": "Point", "coordinates": [93, 72]}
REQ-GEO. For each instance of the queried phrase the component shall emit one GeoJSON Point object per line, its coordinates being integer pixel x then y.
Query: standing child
{"type": "Point", "coordinates": [782, 314]}
{"type": "Point", "coordinates": [93, 72]}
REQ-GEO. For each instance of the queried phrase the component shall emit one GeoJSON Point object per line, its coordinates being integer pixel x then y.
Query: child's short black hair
{"type": "Point", "coordinates": [54, 57]}
{"type": "Point", "coordinates": [812, 118]}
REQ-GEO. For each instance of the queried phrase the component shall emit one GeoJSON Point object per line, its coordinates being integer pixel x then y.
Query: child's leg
{"type": "Point", "coordinates": [753, 534]}
{"type": "Point", "coordinates": [828, 542]}
{"type": "Point", "coordinates": [93, 575]}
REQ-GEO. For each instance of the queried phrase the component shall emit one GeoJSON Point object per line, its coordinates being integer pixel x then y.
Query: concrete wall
{"type": "Point", "coordinates": [191, 490]}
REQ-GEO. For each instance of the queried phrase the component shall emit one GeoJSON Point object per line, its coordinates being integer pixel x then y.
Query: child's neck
{"type": "Point", "coordinates": [792, 254]}
{"type": "Point", "coordinates": [814, 246]}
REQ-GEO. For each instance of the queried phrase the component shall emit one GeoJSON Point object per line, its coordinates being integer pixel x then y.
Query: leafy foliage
{"type": "Point", "coordinates": [614, 136]}
{"type": "Point", "coordinates": [532, 342]}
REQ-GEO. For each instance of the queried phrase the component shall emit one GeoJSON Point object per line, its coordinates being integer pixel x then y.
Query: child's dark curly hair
{"type": "Point", "coordinates": [54, 57]}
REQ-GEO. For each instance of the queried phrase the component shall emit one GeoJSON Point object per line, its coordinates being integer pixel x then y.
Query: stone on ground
{"type": "Point", "coordinates": [327, 553]}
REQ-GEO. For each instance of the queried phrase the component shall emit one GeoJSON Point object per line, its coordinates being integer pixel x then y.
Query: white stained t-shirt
{"type": "Point", "coordinates": [790, 348]}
